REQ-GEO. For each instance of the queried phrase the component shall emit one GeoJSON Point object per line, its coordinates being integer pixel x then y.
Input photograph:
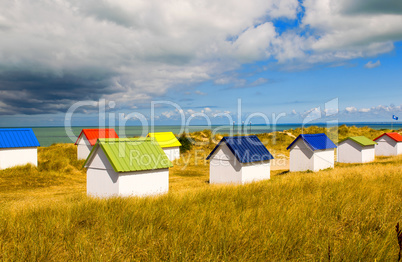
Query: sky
{"type": "Point", "coordinates": [198, 62]}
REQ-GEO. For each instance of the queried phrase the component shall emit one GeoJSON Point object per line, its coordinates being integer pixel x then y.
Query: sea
{"type": "Point", "coordinates": [51, 135]}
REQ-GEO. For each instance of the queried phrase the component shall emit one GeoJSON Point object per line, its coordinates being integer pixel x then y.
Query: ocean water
{"type": "Point", "coordinates": [50, 135]}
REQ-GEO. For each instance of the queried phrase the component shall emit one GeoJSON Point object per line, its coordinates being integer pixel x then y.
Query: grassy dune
{"type": "Point", "coordinates": [348, 213]}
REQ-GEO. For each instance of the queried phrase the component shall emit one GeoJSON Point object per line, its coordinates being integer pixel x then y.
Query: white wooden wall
{"type": "Point", "coordinates": [144, 183]}
{"type": "Point", "coordinates": [103, 181]}
{"type": "Point", "coordinates": [368, 154]}
{"type": "Point", "coordinates": [386, 146]}
{"type": "Point", "coordinates": [301, 157]}
{"type": "Point", "coordinates": [224, 167]}
{"type": "Point", "coordinates": [399, 148]}
{"type": "Point", "coordinates": [350, 152]}
{"type": "Point", "coordinates": [324, 159]}
{"type": "Point", "coordinates": [10, 157]}
{"type": "Point", "coordinates": [83, 148]}
{"type": "Point", "coordinates": [172, 152]}
{"type": "Point", "coordinates": [255, 171]}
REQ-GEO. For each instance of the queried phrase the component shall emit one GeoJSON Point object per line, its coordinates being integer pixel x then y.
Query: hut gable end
{"type": "Point", "coordinates": [223, 153]}
{"type": "Point", "coordinates": [99, 160]}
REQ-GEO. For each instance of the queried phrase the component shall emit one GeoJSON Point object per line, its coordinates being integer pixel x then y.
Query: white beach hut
{"type": "Point", "coordinates": [239, 160]}
{"type": "Point", "coordinates": [357, 149]}
{"type": "Point", "coordinates": [388, 144]}
{"type": "Point", "coordinates": [127, 167]}
{"type": "Point", "coordinates": [87, 139]}
{"type": "Point", "coordinates": [18, 146]}
{"type": "Point", "coordinates": [311, 152]}
{"type": "Point", "coordinates": [169, 144]}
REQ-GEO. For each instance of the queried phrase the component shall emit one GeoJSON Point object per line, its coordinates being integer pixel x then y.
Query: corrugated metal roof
{"type": "Point", "coordinates": [94, 134]}
{"type": "Point", "coordinates": [361, 140]}
{"type": "Point", "coordinates": [315, 141]}
{"type": "Point", "coordinates": [165, 139]}
{"type": "Point", "coordinates": [132, 154]}
{"type": "Point", "coordinates": [246, 149]}
{"type": "Point", "coordinates": [395, 136]}
{"type": "Point", "coordinates": [17, 137]}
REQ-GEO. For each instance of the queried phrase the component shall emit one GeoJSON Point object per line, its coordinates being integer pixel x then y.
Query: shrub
{"type": "Point", "coordinates": [186, 144]}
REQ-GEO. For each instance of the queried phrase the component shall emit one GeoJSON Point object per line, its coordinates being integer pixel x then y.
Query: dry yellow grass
{"type": "Point", "coordinates": [347, 213]}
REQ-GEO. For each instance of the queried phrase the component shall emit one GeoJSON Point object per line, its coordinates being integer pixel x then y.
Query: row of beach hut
{"type": "Point", "coordinates": [243, 159]}
{"type": "Point", "coordinates": [316, 151]}
{"type": "Point", "coordinates": [88, 138]}
{"type": "Point", "coordinates": [140, 166]}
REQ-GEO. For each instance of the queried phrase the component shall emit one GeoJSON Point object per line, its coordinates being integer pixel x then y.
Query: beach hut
{"type": "Point", "coordinates": [87, 139]}
{"type": "Point", "coordinates": [169, 144]}
{"type": "Point", "coordinates": [238, 160]}
{"type": "Point", "coordinates": [18, 146]}
{"type": "Point", "coordinates": [388, 144]}
{"type": "Point", "coordinates": [356, 149]}
{"type": "Point", "coordinates": [127, 167]}
{"type": "Point", "coordinates": [311, 152]}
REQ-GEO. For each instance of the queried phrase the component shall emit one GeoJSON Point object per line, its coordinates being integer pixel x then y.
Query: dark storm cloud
{"type": "Point", "coordinates": [55, 53]}
{"type": "Point", "coordinates": [29, 93]}
{"type": "Point", "coordinates": [373, 7]}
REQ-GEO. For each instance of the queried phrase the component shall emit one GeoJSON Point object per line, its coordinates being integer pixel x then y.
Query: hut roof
{"type": "Point", "coordinates": [93, 134]}
{"type": "Point", "coordinates": [165, 139]}
{"type": "Point", "coordinates": [361, 140]}
{"type": "Point", "coordinates": [17, 137]}
{"type": "Point", "coordinates": [395, 136]}
{"type": "Point", "coordinates": [315, 141]}
{"type": "Point", "coordinates": [132, 154]}
{"type": "Point", "coordinates": [246, 149]}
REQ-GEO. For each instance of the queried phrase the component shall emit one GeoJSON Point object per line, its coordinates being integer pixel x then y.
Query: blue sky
{"type": "Point", "coordinates": [276, 58]}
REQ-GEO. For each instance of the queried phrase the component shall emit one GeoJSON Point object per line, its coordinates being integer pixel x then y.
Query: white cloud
{"type": "Point", "coordinates": [351, 109]}
{"type": "Point", "coordinates": [133, 51]}
{"type": "Point", "coordinates": [168, 114]}
{"type": "Point", "coordinates": [232, 80]}
{"type": "Point", "coordinates": [223, 81]}
{"type": "Point", "coordinates": [351, 113]}
{"type": "Point", "coordinates": [331, 111]}
{"type": "Point", "coordinates": [335, 34]}
{"type": "Point", "coordinates": [311, 115]}
{"type": "Point", "coordinates": [259, 81]}
{"type": "Point", "coordinates": [364, 110]}
{"type": "Point", "coordinates": [374, 111]}
{"type": "Point", "coordinates": [370, 64]}
{"type": "Point", "coordinates": [198, 92]}
{"type": "Point", "coordinates": [253, 44]}
{"type": "Point", "coordinates": [190, 112]}
{"type": "Point", "coordinates": [235, 82]}
{"type": "Point", "coordinates": [203, 113]}
{"type": "Point", "coordinates": [139, 49]}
